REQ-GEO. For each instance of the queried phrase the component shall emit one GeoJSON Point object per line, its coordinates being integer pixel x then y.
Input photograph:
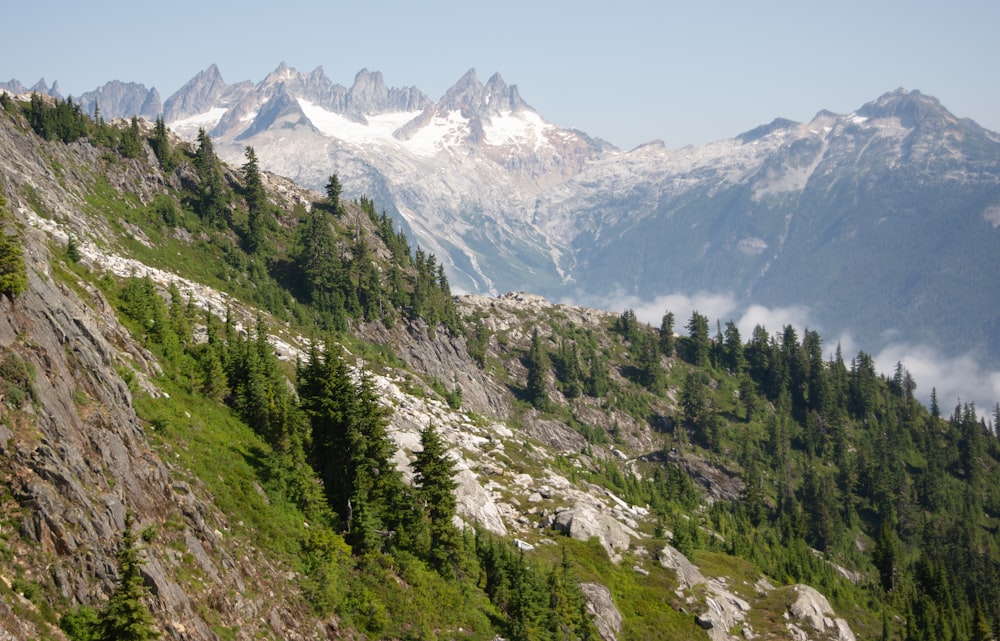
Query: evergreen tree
{"type": "Point", "coordinates": [647, 359]}
{"type": "Point", "coordinates": [748, 395]}
{"type": "Point", "coordinates": [13, 273]}
{"type": "Point", "coordinates": [160, 142]}
{"type": "Point", "coordinates": [213, 197]}
{"type": "Point", "coordinates": [537, 363]}
{"type": "Point", "coordinates": [125, 617]}
{"type": "Point", "coordinates": [698, 341]}
{"type": "Point", "coordinates": [351, 450]}
{"type": "Point", "coordinates": [257, 206]}
{"type": "Point", "coordinates": [333, 191]}
{"type": "Point", "coordinates": [695, 405]}
{"type": "Point", "coordinates": [568, 369]}
{"type": "Point", "coordinates": [884, 555]}
{"type": "Point", "coordinates": [434, 475]}
{"type": "Point", "coordinates": [732, 350]}
{"type": "Point", "coordinates": [73, 250]}
{"type": "Point", "coordinates": [667, 339]}
{"type": "Point", "coordinates": [599, 378]}
{"type": "Point", "coordinates": [130, 144]}
{"type": "Point", "coordinates": [628, 325]}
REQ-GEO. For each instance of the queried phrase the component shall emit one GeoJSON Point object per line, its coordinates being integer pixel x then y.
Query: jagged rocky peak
{"type": "Point", "coordinates": [466, 94]}
{"type": "Point", "coordinates": [13, 86]}
{"type": "Point", "coordinates": [368, 94]}
{"type": "Point", "coordinates": [471, 97]}
{"type": "Point", "coordinates": [502, 97]}
{"type": "Point", "coordinates": [281, 106]}
{"type": "Point", "coordinates": [118, 99]}
{"type": "Point", "coordinates": [282, 73]}
{"type": "Point", "coordinates": [42, 87]}
{"type": "Point", "coordinates": [198, 95]}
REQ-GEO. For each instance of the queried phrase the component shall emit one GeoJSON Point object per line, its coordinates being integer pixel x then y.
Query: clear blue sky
{"type": "Point", "coordinates": [628, 72]}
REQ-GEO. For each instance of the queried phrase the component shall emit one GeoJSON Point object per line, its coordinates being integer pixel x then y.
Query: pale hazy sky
{"type": "Point", "coordinates": [627, 72]}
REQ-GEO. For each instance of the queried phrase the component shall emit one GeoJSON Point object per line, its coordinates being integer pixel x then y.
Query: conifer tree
{"type": "Point", "coordinates": [131, 141]}
{"type": "Point", "coordinates": [333, 191]}
{"type": "Point", "coordinates": [435, 478]}
{"type": "Point", "coordinates": [256, 199]}
{"type": "Point", "coordinates": [667, 339]}
{"type": "Point", "coordinates": [13, 273]}
{"type": "Point", "coordinates": [213, 200]}
{"type": "Point", "coordinates": [698, 342]}
{"type": "Point", "coordinates": [73, 250]}
{"type": "Point", "coordinates": [351, 450]}
{"type": "Point", "coordinates": [160, 143]}
{"type": "Point", "coordinates": [647, 361]}
{"type": "Point", "coordinates": [732, 350]}
{"type": "Point", "coordinates": [694, 403]}
{"type": "Point", "coordinates": [538, 364]}
{"type": "Point", "coordinates": [125, 617]}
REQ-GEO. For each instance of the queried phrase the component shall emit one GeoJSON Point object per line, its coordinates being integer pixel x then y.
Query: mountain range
{"type": "Point", "coordinates": [882, 222]}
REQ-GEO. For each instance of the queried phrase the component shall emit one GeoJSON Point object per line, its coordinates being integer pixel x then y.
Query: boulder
{"type": "Point", "coordinates": [607, 618]}
{"type": "Point", "coordinates": [813, 608]}
{"type": "Point", "coordinates": [582, 522]}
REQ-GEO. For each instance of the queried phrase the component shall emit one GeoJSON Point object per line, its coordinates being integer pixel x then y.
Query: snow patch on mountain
{"type": "Point", "coordinates": [187, 128]}
{"type": "Point", "coordinates": [377, 130]}
{"type": "Point", "coordinates": [523, 128]}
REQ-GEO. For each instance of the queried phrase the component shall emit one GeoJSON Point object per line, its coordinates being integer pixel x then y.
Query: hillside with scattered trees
{"type": "Point", "coordinates": [263, 364]}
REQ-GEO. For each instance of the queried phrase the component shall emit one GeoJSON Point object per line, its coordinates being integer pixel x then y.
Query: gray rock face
{"type": "Point", "coordinates": [78, 458]}
{"type": "Point", "coordinates": [118, 99]}
{"type": "Point", "coordinates": [812, 608]}
{"type": "Point", "coordinates": [602, 606]}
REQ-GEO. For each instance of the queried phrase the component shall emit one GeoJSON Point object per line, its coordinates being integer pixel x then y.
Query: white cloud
{"type": "Point", "coordinates": [957, 379]}
{"type": "Point", "coordinates": [775, 319]}
{"type": "Point", "coordinates": [713, 305]}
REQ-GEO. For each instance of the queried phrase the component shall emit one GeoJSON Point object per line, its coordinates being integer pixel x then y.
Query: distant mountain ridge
{"type": "Point", "coordinates": [883, 221]}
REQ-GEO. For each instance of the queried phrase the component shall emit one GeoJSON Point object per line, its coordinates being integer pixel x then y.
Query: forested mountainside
{"type": "Point", "coordinates": [231, 408]}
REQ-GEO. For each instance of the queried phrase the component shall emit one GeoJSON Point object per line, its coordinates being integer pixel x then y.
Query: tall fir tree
{"type": "Point", "coordinates": [668, 341]}
{"type": "Point", "coordinates": [213, 197]}
{"type": "Point", "coordinates": [13, 273]}
{"type": "Point", "coordinates": [435, 479]}
{"type": "Point", "coordinates": [125, 617]}
{"type": "Point", "coordinates": [257, 206]}
{"type": "Point", "coordinates": [538, 366]}
{"type": "Point", "coordinates": [699, 345]}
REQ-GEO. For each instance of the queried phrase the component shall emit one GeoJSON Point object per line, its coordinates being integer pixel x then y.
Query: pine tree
{"type": "Point", "coordinates": [435, 477]}
{"type": "Point", "coordinates": [131, 140]}
{"type": "Point", "coordinates": [213, 200]}
{"type": "Point", "coordinates": [352, 451]}
{"type": "Point", "coordinates": [748, 395]}
{"type": "Point", "coordinates": [667, 339]}
{"type": "Point", "coordinates": [73, 250]}
{"type": "Point", "coordinates": [160, 143]}
{"type": "Point", "coordinates": [694, 404]}
{"type": "Point", "coordinates": [538, 364]}
{"type": "Point", "coordinates": [333, 191]}
{"type": "Point", "coordinates": [647, 361]}
{"type": "Point", "coordinates": [256, 199]}
{"type": "Point", "coordinates": [13, 273]}
{"type": "Point", "coordinates": [698, 341]}
{"type": "Point", "coordinates": [732, 350]}
{"type": "Point", "coordinates": [125, 617]}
